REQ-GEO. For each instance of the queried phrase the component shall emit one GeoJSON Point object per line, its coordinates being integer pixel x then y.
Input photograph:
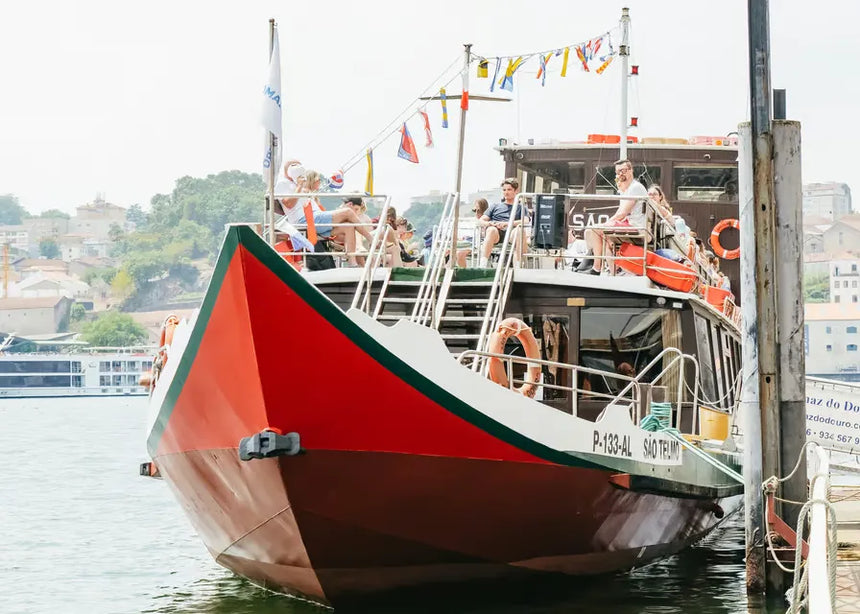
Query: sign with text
{"type": "Point", "coordinates": [833, 416]}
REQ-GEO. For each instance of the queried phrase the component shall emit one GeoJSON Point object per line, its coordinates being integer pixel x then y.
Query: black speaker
{"type": "Point", "coordinates": [548, 226]}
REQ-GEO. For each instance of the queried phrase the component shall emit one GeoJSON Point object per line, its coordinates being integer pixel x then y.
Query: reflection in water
{"type": "Point", "coordinates": [706, 579]}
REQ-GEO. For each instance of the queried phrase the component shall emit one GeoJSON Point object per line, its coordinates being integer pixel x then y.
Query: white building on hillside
{"type": "Point", "coordinates": [829, 200]}
{"type": "Point", "coordinates": [832, 339]}
{"type": "Point", "coordinates": [844, 277]}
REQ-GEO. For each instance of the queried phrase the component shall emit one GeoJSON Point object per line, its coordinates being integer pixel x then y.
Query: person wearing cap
{"type": "Point", "coordinates": [405, 231]}
{"type": "Point", "coordinates": [340, 224]}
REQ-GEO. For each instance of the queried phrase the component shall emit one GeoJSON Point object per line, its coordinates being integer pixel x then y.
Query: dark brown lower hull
{"type": "Point", "coordinates": [337, 526]}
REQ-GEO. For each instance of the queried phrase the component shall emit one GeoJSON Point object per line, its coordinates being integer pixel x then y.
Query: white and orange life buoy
{"type": "Point", "coordinates": [165, 339]}
{"type": "Point", "coordinates": [496, 369]}
{"type": "Point", "coordinates": [719, 250]}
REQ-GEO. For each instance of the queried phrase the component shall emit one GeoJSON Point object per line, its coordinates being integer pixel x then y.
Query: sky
{"type": "Point", "coordinates": [122, 99]}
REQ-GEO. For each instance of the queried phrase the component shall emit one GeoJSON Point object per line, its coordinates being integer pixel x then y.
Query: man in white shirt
{"type": "Point", "coordinates": [630, 213]}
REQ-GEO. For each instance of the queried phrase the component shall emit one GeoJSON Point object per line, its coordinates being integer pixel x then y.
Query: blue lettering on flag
{"type": "Point", "coordinates": [273, 95]}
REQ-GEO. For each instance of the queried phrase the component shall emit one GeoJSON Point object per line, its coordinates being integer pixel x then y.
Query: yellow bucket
{"type": "Point", "coordinates": [713, 424]}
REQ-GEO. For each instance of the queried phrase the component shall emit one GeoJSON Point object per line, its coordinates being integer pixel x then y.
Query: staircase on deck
{"type": "Point", "coordinates": [460, 298]}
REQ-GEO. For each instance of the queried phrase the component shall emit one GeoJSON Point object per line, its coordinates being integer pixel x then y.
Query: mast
{"type": "Point", "coordinates": [269, 213]}
{"type": "Point", "coordinates": [624, 53]}
{"type": "Point", "coordinates": [464, 106]}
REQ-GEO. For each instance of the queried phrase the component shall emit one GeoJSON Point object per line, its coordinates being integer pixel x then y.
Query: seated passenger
{"type": "Point", "coordinates": [405, 232]}
{"type": "Point", "coordinates": [497, 219]}
{"type": "Point", "coordinates": [655, 192]}
{"type": "Point", "coordinates": [630, 213]}
{"type": "Point", "coordinates": [326, 223]}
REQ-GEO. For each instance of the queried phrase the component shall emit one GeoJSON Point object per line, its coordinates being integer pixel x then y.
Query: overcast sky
{"type": "Point", "coordinates": [124, 98]}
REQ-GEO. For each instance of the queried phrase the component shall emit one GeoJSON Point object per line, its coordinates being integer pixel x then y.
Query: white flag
{"type": "Point", "coordinates": [272, 105]}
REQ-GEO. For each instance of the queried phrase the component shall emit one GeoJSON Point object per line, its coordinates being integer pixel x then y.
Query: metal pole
{"type": "Point", "coordinates": [764, 227]}
{"type": "Point", "coordinates": [624, 53]}
{"type": "Point", "coordinates": [464, 106]}
{"type": "Point", "coordinates": [269, 213]}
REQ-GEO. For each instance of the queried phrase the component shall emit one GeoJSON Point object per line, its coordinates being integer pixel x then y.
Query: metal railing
{"type": "Point", "coordinates": [376, 254]}
{"type": "Point", "coordinates": [425, 303]}
{"type": "Point", "coordinates": [632, 393]}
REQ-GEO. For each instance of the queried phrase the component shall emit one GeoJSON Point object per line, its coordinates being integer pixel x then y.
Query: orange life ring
{"type": "Point", "coordinates": [166, 338]}
{"type": "Point", "coordinates": [719, 250]}
{"type": "Point", "coordinates": [496, 369]}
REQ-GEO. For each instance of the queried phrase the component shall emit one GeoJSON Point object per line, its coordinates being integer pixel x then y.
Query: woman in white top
{"type": "Point", "coordinates": [328, 223]}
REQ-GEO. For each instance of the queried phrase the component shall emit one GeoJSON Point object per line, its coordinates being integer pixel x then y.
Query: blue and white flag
{"type": "Point", "coordinates": [272, 106]}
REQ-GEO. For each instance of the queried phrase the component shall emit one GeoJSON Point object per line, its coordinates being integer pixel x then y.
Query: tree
{"type": "Point", "coordinates": [11, 211]}
{"type": "Point", "coordinates": [55, 214]}
{"type": "Point", "coordinates": [424, 216]}
{"type": "Point", "coordinates": [78, 312]}
{"type": "Point", "coordinates": [115, 232]}
{"type": "Point", "coordinates": [113, 329]}
{"type": "Point", "coordinates": [136, 215]}
{"type": "Point", "coordinates": [48, 248]}
{"type": "Point", "coordinates": [816, 288]}
{"type": "Point", "coordinates": [122, 285]}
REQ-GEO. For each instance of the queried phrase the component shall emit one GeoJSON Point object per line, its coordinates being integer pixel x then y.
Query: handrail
{"type": "Point", "coordinates": [375, 254]}
{"type": "Point", "coordinates": [424, 303]}
{"type": "Point", "coordinates": [502, 278]}
{"type": "Point", "coordinates": [575, 370]}
{"type": "Point", "coordinates": [822, 556]}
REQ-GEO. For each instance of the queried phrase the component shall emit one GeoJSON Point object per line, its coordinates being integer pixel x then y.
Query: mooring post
{"type": "Point", "coordinates": [764, 255]}
{"type": "Point", "coordinates": [788, 194]}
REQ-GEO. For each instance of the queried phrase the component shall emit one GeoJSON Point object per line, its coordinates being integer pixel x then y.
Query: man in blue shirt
{"type": "Point", "coordinates": [497, 219]}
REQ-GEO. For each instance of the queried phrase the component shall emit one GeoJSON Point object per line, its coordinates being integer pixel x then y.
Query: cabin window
{"type": "Point", "coordinates": [76, 366]}
{"type": "Point", "coordinates": [36, 366]}
{"type": "Point", "coordinates": [706, 360]}
{"type": "Point", "coordinates": [117, 380]}
{"type": "Point", "coordinates": [852, 347]}
{"type": "Point", "coordinates": [77, 381]}
{"type": "Point", "coordinates": [644, 173]}
{"type": "Point", "coordinates": [576, 177]}
{"type": "Point", "coordinates": [621, 340]}
{"type": "Point", "coordinates": [34, 381]}
{"type": "Point", "coordinates": [828, 330]}
{"type": "Point", "coordinates": [718, 366]}
{"type": "Point", "coordinates": [851, 330]}
{"type": "Point", "coordinates": [707, 183]}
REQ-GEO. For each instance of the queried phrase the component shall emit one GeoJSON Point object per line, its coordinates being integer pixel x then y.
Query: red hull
{"type": "Point", "coordinates": [406, 488]}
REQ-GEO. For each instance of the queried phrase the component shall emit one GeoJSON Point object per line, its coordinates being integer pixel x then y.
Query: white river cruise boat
{"type": "Point", "coordinates": [96, 372]}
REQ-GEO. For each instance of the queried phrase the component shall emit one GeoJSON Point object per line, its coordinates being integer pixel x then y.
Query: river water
{"type": "Point", "coordinates": [81, 531]}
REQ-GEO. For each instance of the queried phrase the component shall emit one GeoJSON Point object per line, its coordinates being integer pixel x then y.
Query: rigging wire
{"type": "Point", "coordinates": [399, 118]}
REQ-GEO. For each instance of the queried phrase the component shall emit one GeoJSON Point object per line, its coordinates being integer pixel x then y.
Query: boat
{"type": "Point", "coordinates": [99, 372]}
{"type": "Point", "coordinates": [345, 434]}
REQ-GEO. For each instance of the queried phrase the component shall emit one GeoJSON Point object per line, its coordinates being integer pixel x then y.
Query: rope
{"type": "Point", "coordinates": [659, 418]}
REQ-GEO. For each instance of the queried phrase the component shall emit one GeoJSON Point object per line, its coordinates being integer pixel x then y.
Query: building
{"type": "Point", "coordinates": [94, 220]}
{"type": "Point", "coordinates": [72, 247]}
{"type": "Point", "coordinates": [34, 316]}
{"type": "Point", "coordinates": [34, 266]}
{"type": "Point", "coordinates": [843, 235]}
{"type": "Point", "coordinates": [829, 200]}
{"type": "Point", "coordinates": [16, 237]}
{"type": "Point", "coordinates": [832, 339]}
{"type": "Point", "coordinates": [844, 277]}
{"type": "Point", "coordinates": [50, 285]}
{"type": "Point", "coordinates": [42, 228]}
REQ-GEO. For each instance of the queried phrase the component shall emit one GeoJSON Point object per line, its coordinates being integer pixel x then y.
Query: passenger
{"type": "Point", "coordinates": [327, 223]}
{"type": "Point", "coordinates": [630, 213]}
{"type": "Point", "coordinates": [655, 192]}
{"type": "Point", "coordinates": [356, 203]}
{"type": "Point", "coordinates": [497, 219]}
{"type": "Point", "coordinates": [405, 232]}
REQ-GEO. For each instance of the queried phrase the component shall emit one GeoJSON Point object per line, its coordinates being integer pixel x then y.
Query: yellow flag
{"type": "Point", "coordinates": [564, 62]}
{"type": "Point", "coordinates": [368, 184]}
